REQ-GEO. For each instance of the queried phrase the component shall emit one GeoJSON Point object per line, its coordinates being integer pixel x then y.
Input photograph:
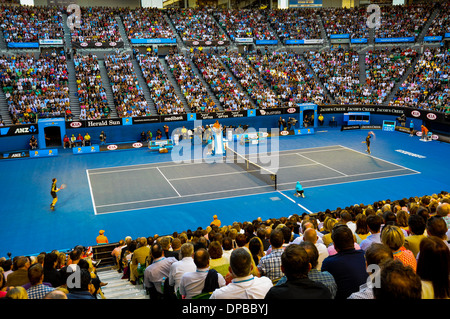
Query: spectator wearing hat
{"type": "Point", "coordinates": [101, 238]}
{"type": "Point", "coordinates": [216, 221]}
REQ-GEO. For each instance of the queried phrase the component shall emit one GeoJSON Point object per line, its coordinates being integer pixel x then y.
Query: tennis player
{"type": "Point", "coordinates": [367, 141]}
{"type": "Point", "coordinates": [53, 192]}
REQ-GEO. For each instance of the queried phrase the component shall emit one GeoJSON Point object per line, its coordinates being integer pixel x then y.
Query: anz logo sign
{"type": "Point", "coordinates": [25, 130]}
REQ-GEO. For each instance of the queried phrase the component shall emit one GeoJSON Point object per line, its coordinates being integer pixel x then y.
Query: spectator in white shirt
{"type": "Point", "coordinates": [184, 265]}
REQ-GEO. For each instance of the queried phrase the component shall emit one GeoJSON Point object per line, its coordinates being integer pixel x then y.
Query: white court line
{"type": "Point", "coordinates": [296, 203]}
{"type": "Point", "coordinates": [380, 159]}
{"type": "Point", "coordinates": [168, 181]}
{"type": "Point", "coordinates": [321, 164]}
{"type": "Point", "coordinates": [90, 190]}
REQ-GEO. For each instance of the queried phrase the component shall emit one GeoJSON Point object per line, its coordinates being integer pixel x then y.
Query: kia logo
{"type": "Point", "coordinates": [220, 42]}
{"type": "Point", "coordinates": [98, 44]}
{"type": "Point", "coordinates": [137, 145]}
{"type": "Point", "coordinates": [284, 133]}
{"type": "Point", "coordinates": [431, 116]}
{"type": "Point", "coordinates": [195, 43]}
{"type": "Point", "coordinates": [112, 44]}
{"type": "Point", "coordinates": [291, 110]}
{"type": "Point", "coordinates": [84, 44]}
{"type": "Point", "coordinates": [76, 124]}
{"type": "Point", "coordinates": [112, 147]}
{"type": "Point", "coordinates": [418, 133]}
{"type": "Point", "coordinates": [262, 112]}
{"type": "Point", "coordinates": [435, 137]}
{"type": "Point", "coordinates": [415, 113]}
{"type": "Point", "coordinates": [208, 42]}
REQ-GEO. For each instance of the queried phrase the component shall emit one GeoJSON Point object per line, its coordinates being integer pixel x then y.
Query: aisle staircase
{"type": "Point", "coordinates": [118, 288]}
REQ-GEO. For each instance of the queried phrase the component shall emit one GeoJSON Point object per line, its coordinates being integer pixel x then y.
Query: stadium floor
{"type": "Point", "coordinates": [333, 165]}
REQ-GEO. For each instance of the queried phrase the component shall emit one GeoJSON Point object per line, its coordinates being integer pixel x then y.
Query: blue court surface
{"type": "Point", "coordinates": [141, 193]}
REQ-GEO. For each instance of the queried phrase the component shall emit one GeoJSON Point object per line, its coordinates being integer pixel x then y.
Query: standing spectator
{"type": "Point", "coordinates": [36, 277]}
{"type": "Point", "coordinates": [155, 273]}
{"type": "Point", "coordinates": [348, 266]}
{"type": "Point", "coordinates": [203, 280]}
{"type": "Point", "coordinates": [295, 263]}
{"type": "Point", "coordinates": [243, 285]}
{"type": "Point", "coordinates": [393, 237]}
{"type": "Point", "coordinates": [270, 265]}
{"type": "Point", "coordinates": [397, 282]}
{"type": "Point", "coordinates": [433, 267]}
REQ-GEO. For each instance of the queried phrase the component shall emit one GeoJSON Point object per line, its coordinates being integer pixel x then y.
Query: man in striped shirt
{"type": "Point", "coordinates": [37, 289]}
{"type": "Point", "coordinates": [270, 265]}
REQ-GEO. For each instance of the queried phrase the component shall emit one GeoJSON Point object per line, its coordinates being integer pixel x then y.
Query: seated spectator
{"type": "Point", "coordinates": [243, 285]}
{"type": "Point", "coordinates": [416, 229]}
{"type": "Point", "coordinates": [433, 267]}
{"type": "Point", "coordinates": [85, 290]}
{"type": "Point", "coordinates": [295, 263]}
{"type": "Point", "coordinates": [347, 266]}
{"type": "Point", "coordinates": [392, 236]}
{"type": "Point", "coordinates": [51, 274]}
{"type": "Point", "coordinates": [374, 223]}
{"type": "Point", "coordinates": [33, 143]}
{"type": "Point", "coordinates": [184, 265]}
{"type": "Point", "coordinates": [36, 277]}
{"type": "Point", "coordinates": [87, 139]}
{"type": "Point", "coordinates": [217, 261]}
{"type": "Point", "coordinates": [397, 282]}
{"type": "Point", "coordinates": [19, 276]}
{"type": "Point", "coordinates": [203, 281]}
{"type": "Point", "coordinates": [270, 264]}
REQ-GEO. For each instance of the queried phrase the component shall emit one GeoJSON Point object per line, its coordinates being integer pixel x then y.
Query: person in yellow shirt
{"type": "Point", "coordinates": [87, 140]}
{"type": "Point", "coordinates": [216, 221]}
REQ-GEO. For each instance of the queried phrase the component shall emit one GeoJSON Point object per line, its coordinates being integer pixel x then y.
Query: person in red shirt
{"type": "Point", "coordinates": [66, 141]}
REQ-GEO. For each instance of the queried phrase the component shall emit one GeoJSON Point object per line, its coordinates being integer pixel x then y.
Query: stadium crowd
{"type": "Point", "coordinates": [35, 87]}
{"type": "Point", "coordinates": [427, 86]}
{"type": "Point", "coordinates": [129, 97]}
{"type": "Point", "coordinates": [161, 90]}
{"type": "Point", "coordinates": [289, 77]}
{"type": "Point", "coordinates": [98, 24]}
{"type": "Point", "coordinates": [146, 23]}
{"type": "Point", "coordinates": [245, 24]}
{"type": "Point", "coordinates": [331, 254]}
{"type": "Point", "coordinates": [351, 21]}
{"type": "Point", "coordinates": [90, 91]}
{"type": "Point", "coordinates": [293, 24]}
{"type": "Point", "coordinates": [31, 23]}
{"type": "Point", "coordinates": [192, 88]}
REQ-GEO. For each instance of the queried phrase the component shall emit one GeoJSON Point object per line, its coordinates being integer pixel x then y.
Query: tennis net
{"type": "Point", "coordinates": [252, 168]}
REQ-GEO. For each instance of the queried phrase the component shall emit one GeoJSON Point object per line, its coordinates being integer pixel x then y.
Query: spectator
{"type": "Point", "coordinates": [392, 236]}
{"type": "Point", "coordinates": [376, 254]}
{"type": "Point", "coordinates": [101, 238]}
{"type": "Point", "coordinates": [270, 264]}
{"type": "Point", "coordinates": [436, 226]}
{"type": "Point", "coordinates": [433, 267]}
{"type": "Point", "coordinates": [19, 276]}
{"type": "Point", "coordinates": [146, 23]}
{"type": "Point", "coordinates": [184, 265]}
{"type": "Point", "coordinates": [295, 263]}
{"type": "Point", "coordinates": [139, 260]}
{"type": "Point", "coordinates": [66, 142]}
{"type": "Point", "coordinates": [157, 271]}
{"type": "Point", "coordinates": [85, 290]}
{"type": "Point", "coordinates": [56, 294]}
{"type": "Point", "coordinates": [33, 143]}
{"type": "Point", "coordinates": [51, 274]}
{"type": "Point", "coordinates": [256, 248]}
{"type": "Point", "coordinates": [17, 292]}
{"type": "Point", "coordinates": [243, 285]}
{"type": "Point", "coordinates": [348, 265]}
{"type": "Point", "coordinates": [203, 281]}
{"type": "Point", "coordinates": [374, 224]}
{"type": "Point", "coordinates": [397, 282]}
{"type": "Point", "coordinates": [310, 235]}
{"type": "Point", "coordinates": [217, 261]}
{"type": "Point", "coordinates": [36, 277]}
{"type": "Point", "coordinates": [416, 229]}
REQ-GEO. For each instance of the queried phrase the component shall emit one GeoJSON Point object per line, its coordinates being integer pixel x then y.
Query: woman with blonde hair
{"type": "Point", "coordinates": [328, 225]}
{"type": "Point", "coordinates": [16, 293]}
{"type": "Point", "coordinates": [392, 236]}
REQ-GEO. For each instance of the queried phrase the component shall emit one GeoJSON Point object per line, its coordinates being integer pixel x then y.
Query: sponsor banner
{"type": "Point", "coordinates": [98, 45]}
{"type": "Point", "coordinates": [388, 40]}
{"type": "Point", "coordinates": [51, 42]}
{"type": "Point", "coordinates": [371, 127]}
{"type": "Point", "coordinates": [279, 111]}
{"type": "Point", "coordinates": [403, 129]}
{"type": "Point", "coordinates": [305, 3]}
{"type": "Point", "coordinates": [19, 130]}
{"type": "Point", "coordinates": [21, 45]}
{"type": "Point", "coordinates": [433, 38]}
{"type": "Point", "coordinates": [361, 40]}
{"type": "Point", "coordinates": [146, 120]}
{"type": "Point", "coordinates": [106, 122]}
{"type": "Point", "coordinates": [157, 145]}
{"type": "Point", "coordinates": [304, 131]}
{"type": "Point", "coordinates": [86, 149]}
{"type": "Point", "coordinates": [350, 127]}
{"type": "Point", "coordinates": [121, 146]}
{"type": "Point", "coordinates": [251, 113]}
{"type": "Point", "coordinates": [221, 115]}
{"type": "Point", "coordinates": [340, 36]}
{"type": "Point", "coordinates": [266, 42]}
{"type": "Point", "coordinates": [243, 40]}
{"type": "Point", "coordinates": [11, 155]}
{"type": "Point", "coordinates": [192, 116]}
{"type": "Point", "coordinates": [44, 153]}
{"type": "Point", "coordinates": [447, 35]}
{"type": "Point", "coordinates": [306, 41]}
{"type": "Point", "coordinates": [153, 41]}
{"type": "Point", "coordinates": [173, 118]}
{"type": "Point", "coordinates": [206, 43]}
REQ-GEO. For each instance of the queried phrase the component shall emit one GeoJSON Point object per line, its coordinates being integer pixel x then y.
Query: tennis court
{"type": "Point", "coordinates": [134, 187]}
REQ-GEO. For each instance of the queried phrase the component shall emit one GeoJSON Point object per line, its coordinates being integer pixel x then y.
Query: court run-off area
{"type": "Point", "coordinates": [134, 187]}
